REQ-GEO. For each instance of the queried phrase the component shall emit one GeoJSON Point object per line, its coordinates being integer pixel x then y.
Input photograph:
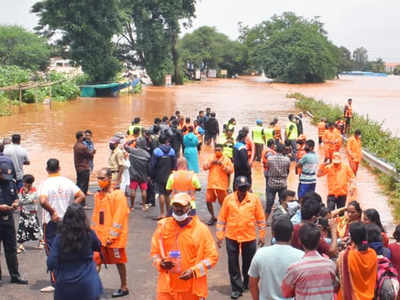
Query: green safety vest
{"type": "Point", "coordinates": [294, 134]}
{"type": "Point", "coordinates": [227, 149]}
{"type": "Point", "coordinates": [132, 128]}
{"type": "Point", "coordinates": [269, 134]}
{"type": "Point", "coordinates": [231, 127]}
{"type": "Point", "coordinates": [258, 135]}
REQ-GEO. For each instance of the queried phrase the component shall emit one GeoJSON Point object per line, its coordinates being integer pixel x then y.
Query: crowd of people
{"type": "Point", "coordinates": [316, 250]}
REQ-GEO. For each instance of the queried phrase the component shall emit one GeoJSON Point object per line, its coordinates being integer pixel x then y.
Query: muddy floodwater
{"type": "Point", "coordinates": [375, 97]}
{"type": "Point", "coordinates": [49, 131]}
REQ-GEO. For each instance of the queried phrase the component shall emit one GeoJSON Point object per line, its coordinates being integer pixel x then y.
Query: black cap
{"type": "Point", "coordinates": [242, 181]}
{"type": "Point", "coordinates": [6, 170]}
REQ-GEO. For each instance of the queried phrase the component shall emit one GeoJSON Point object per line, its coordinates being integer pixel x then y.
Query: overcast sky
{"type": "Point", "coordinates": [351, 23]}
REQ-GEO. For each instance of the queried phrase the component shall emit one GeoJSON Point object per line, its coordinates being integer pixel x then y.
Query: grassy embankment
{"type": "Point", "coordinates": [375, 138]}
{"type": "Point", "coordinates": [66, 89]}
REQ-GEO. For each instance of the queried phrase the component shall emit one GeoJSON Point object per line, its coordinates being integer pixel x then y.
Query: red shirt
{"type": "Point", "coordinates": [323, 247]}
{"type": "Point", "coordinates": [395, 250]}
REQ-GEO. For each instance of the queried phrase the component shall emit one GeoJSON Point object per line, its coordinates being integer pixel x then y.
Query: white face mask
{"type": "Point", "coordinates": [293, 205]}
{"type": "Point", "coordinates": [180, 218]}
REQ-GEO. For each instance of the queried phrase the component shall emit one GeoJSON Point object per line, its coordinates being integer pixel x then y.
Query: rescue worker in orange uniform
{"type": "Point", "coordinates": [250, 147]}
{"type": "Point", "coordinates": [354, 151]}
{"type": "Point", "coordinates": [268, 151]}
{"type": "Point", "coordinates": [332, 140]}
{"type": "Point", "coordinates": [340, 178]}
{"type": "Point", "coordinates": [240, 215]}
{"type": "Point", "coordinates": [183, 181]}
{"type": "Point", "coordinates": [301, 143]}
{"type": "Point", "coordinates": [277, 131]}
{"type": "Point", "coordinates": [348, 115]}
{"type": "Point", "coordinates": [321, 130]}
{"type": "Point", "coordinates": [219, 168]}
{"type": "Point", "coordinates": [183, 251]}
{"type": "Point", "coordinates": [110, 222]}
{"type": "Point", "coordinates": [340, 125]}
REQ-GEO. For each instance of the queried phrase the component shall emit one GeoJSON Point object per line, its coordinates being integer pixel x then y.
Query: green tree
{"type": "Point", "coordinates": [151, 33]}
{"type": "Point", "coordinates": [22, 48]}
{"type": "Point", "coordinates": [292, 49]}
{"type": "Point", "coordinates": [345, 62]}
{"type": "Point", "coordinates": [377, 66]}
{"type": "Point", "coordinates": [206, 48]}
{"type": "Point", "coordinates": [396, 70]}
{"type": "Point", "coordinates": [360, 58]}
{"type": "Point", "coordinates": [87, 28]}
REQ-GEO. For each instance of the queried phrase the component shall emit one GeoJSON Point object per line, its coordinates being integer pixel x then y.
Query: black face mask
{"type": "Point", "coordinates": [242, 189]}
{"type": "Point", "coordinates": [112, 146]}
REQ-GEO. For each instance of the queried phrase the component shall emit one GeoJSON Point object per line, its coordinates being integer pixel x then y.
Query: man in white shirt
{"type": "Point", "coordinates": [270, 264]}
{"type": "Point", "coordinates": [19, 157]}
{"type": "Point", "coordinates": [56, 193]}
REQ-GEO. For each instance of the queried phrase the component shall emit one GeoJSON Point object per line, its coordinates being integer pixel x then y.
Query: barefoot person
{"type": "Point", "coordinates": [110, 222]}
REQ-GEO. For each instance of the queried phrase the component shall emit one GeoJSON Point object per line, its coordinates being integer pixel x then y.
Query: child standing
{"type": "Point", "coordinates": [28, 224]}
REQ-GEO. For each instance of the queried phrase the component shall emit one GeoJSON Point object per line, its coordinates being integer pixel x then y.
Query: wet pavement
{"type": "Point", "coordinates": [49, 132]}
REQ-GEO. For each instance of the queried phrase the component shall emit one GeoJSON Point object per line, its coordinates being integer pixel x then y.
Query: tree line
{"type": "Point", "coordinates": [100, 36]}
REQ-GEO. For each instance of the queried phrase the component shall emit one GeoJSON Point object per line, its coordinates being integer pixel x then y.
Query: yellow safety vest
{"type": "Point", "coordinates": [132, 128]}
{"type": "Point", "coordinates": [294, 133]}
{"type": "Point", "coordinates": [269, 134]}
{"type": "Point", "coordinates": [227, 147]}
{"type": "Point", "coordinates": [258, 135]}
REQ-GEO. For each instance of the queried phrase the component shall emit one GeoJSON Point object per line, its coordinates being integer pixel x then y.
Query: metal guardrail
{"type": "Point", "coordinates": [374, 161]}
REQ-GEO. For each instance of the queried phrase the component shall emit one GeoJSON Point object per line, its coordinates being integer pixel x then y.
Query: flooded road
{"type": "Point", "coordinates": [377, 97]}
{"type": "Point", "coordinates": [50, 131]}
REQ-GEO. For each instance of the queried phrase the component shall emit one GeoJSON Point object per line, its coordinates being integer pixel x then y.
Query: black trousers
{"type": "Point", "coordinates": [82, 181]}
{"type": "Point", "coordinates": [239, 281]}
{"type": "Point", "coordinates": [271, 194]}
{"type": "Point", "coordinates": [8, 237]}
{"type": "Point", "coordinates": [151, 195]}
{"type": "Point", "coordinates": [50, 232]}
{"type": "Point", "coordinates": [259, 149]}
{"type": "Point", "coordinates": [336, 202]}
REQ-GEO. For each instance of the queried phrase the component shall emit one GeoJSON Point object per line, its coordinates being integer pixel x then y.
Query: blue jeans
{"type": "Point", "coordinates": [304, 188]}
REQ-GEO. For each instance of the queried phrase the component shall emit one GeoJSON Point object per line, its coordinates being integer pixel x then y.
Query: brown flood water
{"type": "Point", "coordinates": [377, 97]}
{"type": "Point", "coordinates": [50, 131]}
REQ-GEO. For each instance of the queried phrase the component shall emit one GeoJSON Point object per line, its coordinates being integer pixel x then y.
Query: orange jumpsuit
{"type": "Point", "coordinates": [218, 178]}
{"type": "Point", "coordinates": [338, 178]}
{"type": "Point", "coordinates": [299, 155]}
{"type": "Point", "coordinates": [250, 149]}
{"type": "Point", "coordinates": [354, 153]}
{"type": "Point", "coordinates": [110, 222]}
{"type": "Point", "coordinates": [238, 220]}
{"type": "Point", "coordinates": [277, 132]}
{"type": "Point", "coordinates": [197, 252]}
{"type": "Point", "coordinates": [266, 153]}
{"type": "Point", "coordinates": [332, 142]}
{"type": "Point", "coordinates": [321, 130]}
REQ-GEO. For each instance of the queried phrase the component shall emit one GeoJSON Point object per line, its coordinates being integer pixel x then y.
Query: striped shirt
{"type": "Point", "coordinates": [313, 277]}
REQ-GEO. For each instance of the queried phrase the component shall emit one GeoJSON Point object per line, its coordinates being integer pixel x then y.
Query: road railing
{"type": "Point", "coordinates": [374, 161]}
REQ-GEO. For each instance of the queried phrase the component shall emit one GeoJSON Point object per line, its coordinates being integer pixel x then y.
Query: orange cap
{"type": "Point", "coordinates": [337, 159]}
{"type": "Point", "coordinates": [181, 198]}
